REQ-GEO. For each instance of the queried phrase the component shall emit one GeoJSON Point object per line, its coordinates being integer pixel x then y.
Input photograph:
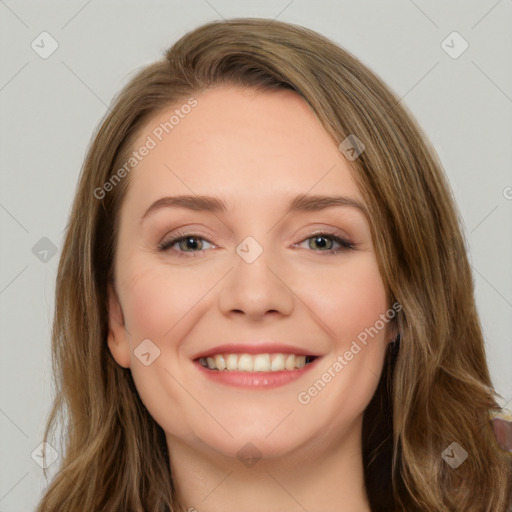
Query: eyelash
{"type": "Point", "coordinates": [345, 244]}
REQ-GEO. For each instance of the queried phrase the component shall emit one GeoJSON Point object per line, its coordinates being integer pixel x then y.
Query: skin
{"type": "Point", "coordinates": [254, 150]}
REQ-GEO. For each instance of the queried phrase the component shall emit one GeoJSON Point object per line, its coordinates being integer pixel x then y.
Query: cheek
{"type": "Point", "coordinates": [159, 301]}
{"type": "Point", "coordinates": [352, 308]}
{"type": "Point", "coordinates": [347, 298]}
{"type": "Point", "coordinates": [160, 307]}
{"type": "Point", "coordinates": [149, 302]}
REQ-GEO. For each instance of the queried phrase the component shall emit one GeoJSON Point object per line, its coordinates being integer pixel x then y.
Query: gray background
{"type": "Point", "coordinates": [50, 107]}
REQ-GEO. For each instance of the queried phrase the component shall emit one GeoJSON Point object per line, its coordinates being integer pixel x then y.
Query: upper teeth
{"type": "Point", "coordinates": [254, 363]}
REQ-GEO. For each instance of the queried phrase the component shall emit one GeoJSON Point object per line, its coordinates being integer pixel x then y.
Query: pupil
{"type": "Point", "coordinates": [320, 238]}
{"type": "Point", "coordinates": [191, 243]}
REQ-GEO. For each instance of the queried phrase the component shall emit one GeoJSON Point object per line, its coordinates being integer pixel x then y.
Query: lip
{"type": "Point", "coordinates": [255, 380]}
{"type": "Point", "coordinates": [255, 347]}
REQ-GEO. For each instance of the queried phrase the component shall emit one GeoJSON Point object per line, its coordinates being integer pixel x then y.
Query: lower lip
{"type": "Point", "coordinates": [255, 379]}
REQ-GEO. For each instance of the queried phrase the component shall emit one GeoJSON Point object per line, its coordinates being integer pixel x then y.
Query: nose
{"type": "Point", "coordinates": [256, 288]}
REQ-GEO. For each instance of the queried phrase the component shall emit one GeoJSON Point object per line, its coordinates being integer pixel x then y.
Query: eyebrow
{"type": "Point", "coordinates": [300, 203]}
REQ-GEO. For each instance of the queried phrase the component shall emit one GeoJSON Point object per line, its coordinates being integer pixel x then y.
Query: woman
{"type": "Point", "coordinates": [209, 356]}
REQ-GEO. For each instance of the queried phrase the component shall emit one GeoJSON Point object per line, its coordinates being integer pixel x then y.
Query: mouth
{"type": "Point", "coordinates": [264, 362]}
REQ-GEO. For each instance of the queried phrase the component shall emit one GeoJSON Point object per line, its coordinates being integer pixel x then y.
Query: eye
{"type": "Point", "coordinates": [187, 243]}
{"type": "Point", "coordinates": [194, 244]}
{"type": "Point", "coordinates": [318, 239]}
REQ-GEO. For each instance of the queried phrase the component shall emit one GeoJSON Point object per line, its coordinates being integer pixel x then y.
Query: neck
{"type": "Point", "coordinates": [316, 477]}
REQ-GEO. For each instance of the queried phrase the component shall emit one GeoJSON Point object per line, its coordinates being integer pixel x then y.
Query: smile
{"type": "Point", "coordinates": [255, 362]}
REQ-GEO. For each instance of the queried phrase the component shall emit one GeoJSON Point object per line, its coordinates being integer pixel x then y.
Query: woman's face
{"type": "Point", "coordinates": [254, 278]}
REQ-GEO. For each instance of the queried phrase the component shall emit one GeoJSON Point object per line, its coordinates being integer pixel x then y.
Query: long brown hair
{"type": "Point", "coordinates": [435, 388]}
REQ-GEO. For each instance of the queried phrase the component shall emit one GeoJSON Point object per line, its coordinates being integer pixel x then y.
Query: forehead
{"type": "Point", "coordinates": [239, 143]}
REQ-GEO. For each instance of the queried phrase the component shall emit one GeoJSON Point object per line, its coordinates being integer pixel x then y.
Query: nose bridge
{"type": "Point", "coordinates": [254, 285]}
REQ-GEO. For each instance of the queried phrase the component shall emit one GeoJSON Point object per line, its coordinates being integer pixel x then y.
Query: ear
{"type": "Point", "coordinates": [118, 341]}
